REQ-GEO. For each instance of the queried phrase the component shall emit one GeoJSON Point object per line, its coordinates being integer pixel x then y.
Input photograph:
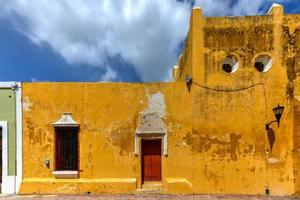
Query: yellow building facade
{"type": "Point", "coordinates": [210, 121]}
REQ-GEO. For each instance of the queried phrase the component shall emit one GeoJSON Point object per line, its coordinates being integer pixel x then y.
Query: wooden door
{"type": "Point", "coordinates": [151, 160]}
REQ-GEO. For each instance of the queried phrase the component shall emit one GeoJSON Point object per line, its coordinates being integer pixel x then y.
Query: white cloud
{"type": "Point", "coordinates": [34, 80]}
{"type": "Point", "coordinates": [109, 76]}
{"type": "Point", "coordinates": [145, 33]}
{"type": "Point", "coordinates": [38, 80]}
{"type": "Point", "coordinates": [225, 7]}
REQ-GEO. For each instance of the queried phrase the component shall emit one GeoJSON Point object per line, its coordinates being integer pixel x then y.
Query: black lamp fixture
{"type": "Point", "coordinates": [277, 112]}
{"type": "Point", "coordinates": [188, 79]}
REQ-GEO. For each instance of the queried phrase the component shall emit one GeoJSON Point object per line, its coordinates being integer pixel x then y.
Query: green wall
{"type": "Point", "coordinates": [8, 113]}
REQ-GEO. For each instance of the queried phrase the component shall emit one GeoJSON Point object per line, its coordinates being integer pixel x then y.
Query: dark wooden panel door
{"type": "Point", "coordinates": [151, 160]}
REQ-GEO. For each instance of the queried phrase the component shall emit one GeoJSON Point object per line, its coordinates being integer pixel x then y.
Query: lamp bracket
{"type": "Point", "coordinates": [268, 124]}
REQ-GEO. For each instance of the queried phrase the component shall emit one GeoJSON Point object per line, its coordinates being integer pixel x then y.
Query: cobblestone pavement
{"type": "Point", "coordinates": [146, 197]}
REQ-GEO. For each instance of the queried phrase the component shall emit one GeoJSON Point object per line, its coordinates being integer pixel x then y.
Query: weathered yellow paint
{"type": "Point", "coordinates": [229, 110]}
{"type": "Point", "coordinates": [216, 128]}
{"type": "Point", "coordinates": [78, 186]}
{"type": "Point", "coordinates": [108, 115]}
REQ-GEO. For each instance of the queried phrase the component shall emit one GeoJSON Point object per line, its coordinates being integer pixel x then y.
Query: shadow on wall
{"type": "Point", "coordinates": [271, 137]}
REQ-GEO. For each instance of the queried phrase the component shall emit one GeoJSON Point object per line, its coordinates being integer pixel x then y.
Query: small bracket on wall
{"type": "Point", "coordinates": [15, 87]}
{"type": "Point", "coordinates": [47, 163]}
{"type": "Point", "coordinates": [268, 124]}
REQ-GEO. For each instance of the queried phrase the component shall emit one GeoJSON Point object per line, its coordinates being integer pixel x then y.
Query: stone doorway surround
{"type": "Point", "coordinates": [151, 123]}
{"type": "Point", "coordinates": [151, 126]}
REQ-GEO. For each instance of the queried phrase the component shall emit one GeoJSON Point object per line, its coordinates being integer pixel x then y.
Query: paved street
{"type": "Point", "coordinates": [147, 197]}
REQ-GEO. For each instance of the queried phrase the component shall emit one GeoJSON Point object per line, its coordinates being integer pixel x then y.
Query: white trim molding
{"type": "Point", "coordinates": [19, 159]}
{"type": "Point", "coordinates": [137, 141]}
{"type": "Point", "coordinates": [273, 5]}
{"type": "Point", "coordinates": [8, 182]}
{"type": "Point", "coordinates": [65, 174]}
{"type": "Point", "coordinates": [66, 120]}
{"type": "Point", "coordinates": [11, 85]}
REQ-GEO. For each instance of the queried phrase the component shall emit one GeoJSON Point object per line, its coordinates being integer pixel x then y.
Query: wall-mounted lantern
{"type": "Point", "coordinates": [277, 112]}
{"type": "Point", "coordinates": [188, 82]}
{"type": "Point", "coordinates": [188, 79]}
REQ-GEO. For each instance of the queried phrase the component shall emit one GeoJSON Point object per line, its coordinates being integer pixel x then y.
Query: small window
{"type": "Point", "coordinates": [66, 148]}
{"type": "Point", "coordinates": [230, 64]}
{"type": "Point", "coordinates": [227, 68]}
{"type": "Point", "coordinates": [259, 66]}
{"type": "Point", "coordinates": [263, 63]}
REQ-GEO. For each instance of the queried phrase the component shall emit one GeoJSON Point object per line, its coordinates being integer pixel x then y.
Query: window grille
{"type": "Point", "coordinates": [66, 148]}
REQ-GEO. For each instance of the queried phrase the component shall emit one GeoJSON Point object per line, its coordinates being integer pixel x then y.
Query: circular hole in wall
{"type": "Point", "coordinates": [230, 64]}
{"type": "Point", "coordinates": [263, 63]}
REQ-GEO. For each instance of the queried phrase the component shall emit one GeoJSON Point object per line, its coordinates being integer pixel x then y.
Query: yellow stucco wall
{"type": "Point", "coordinates": [108, 115]}
{"type": "Point", "coordinates": [216, 128]}
{"type": "Point", "coordinates": [291, 60]}
{"type": "Point", "coordinates": [229, 109]}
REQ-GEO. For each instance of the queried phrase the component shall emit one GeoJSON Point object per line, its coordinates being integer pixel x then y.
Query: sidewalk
{"type": "Point", "coordinates": [147, 197]}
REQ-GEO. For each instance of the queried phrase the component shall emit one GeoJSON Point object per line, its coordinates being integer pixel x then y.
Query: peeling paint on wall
{"type": "Point", "coordinates": [152, 118]}
{"type": "Point", "coordinates": [27, 105]}
{"type": "Point", "coordinates": [227, 145]}
{"type": "Point", "coordinates": [122, 136]}
{"type": "Point", "coordinates": [156, 103]}
{"type": "Point", "coordinates": [273, 160]}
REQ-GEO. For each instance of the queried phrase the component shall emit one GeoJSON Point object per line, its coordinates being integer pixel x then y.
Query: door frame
{"type": "Point", "coordinates": [8, 182]}
{"type": "Point", "coordinates": [163, 136]}
{"type": "Point", "coordinates": [142, 156]}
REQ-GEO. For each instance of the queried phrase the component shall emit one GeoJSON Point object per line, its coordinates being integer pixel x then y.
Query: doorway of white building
{"type": "Point", "coordinates": [8, 183]}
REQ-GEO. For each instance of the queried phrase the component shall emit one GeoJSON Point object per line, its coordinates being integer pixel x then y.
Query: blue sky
{"type": "Point", "coordinates": [72, 41]}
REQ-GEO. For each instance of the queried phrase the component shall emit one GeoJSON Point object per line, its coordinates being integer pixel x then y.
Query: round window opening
{"type": "Point", "coordinates": [230, 64]}
{"type": "Point", "coordinates": [263, 63]}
